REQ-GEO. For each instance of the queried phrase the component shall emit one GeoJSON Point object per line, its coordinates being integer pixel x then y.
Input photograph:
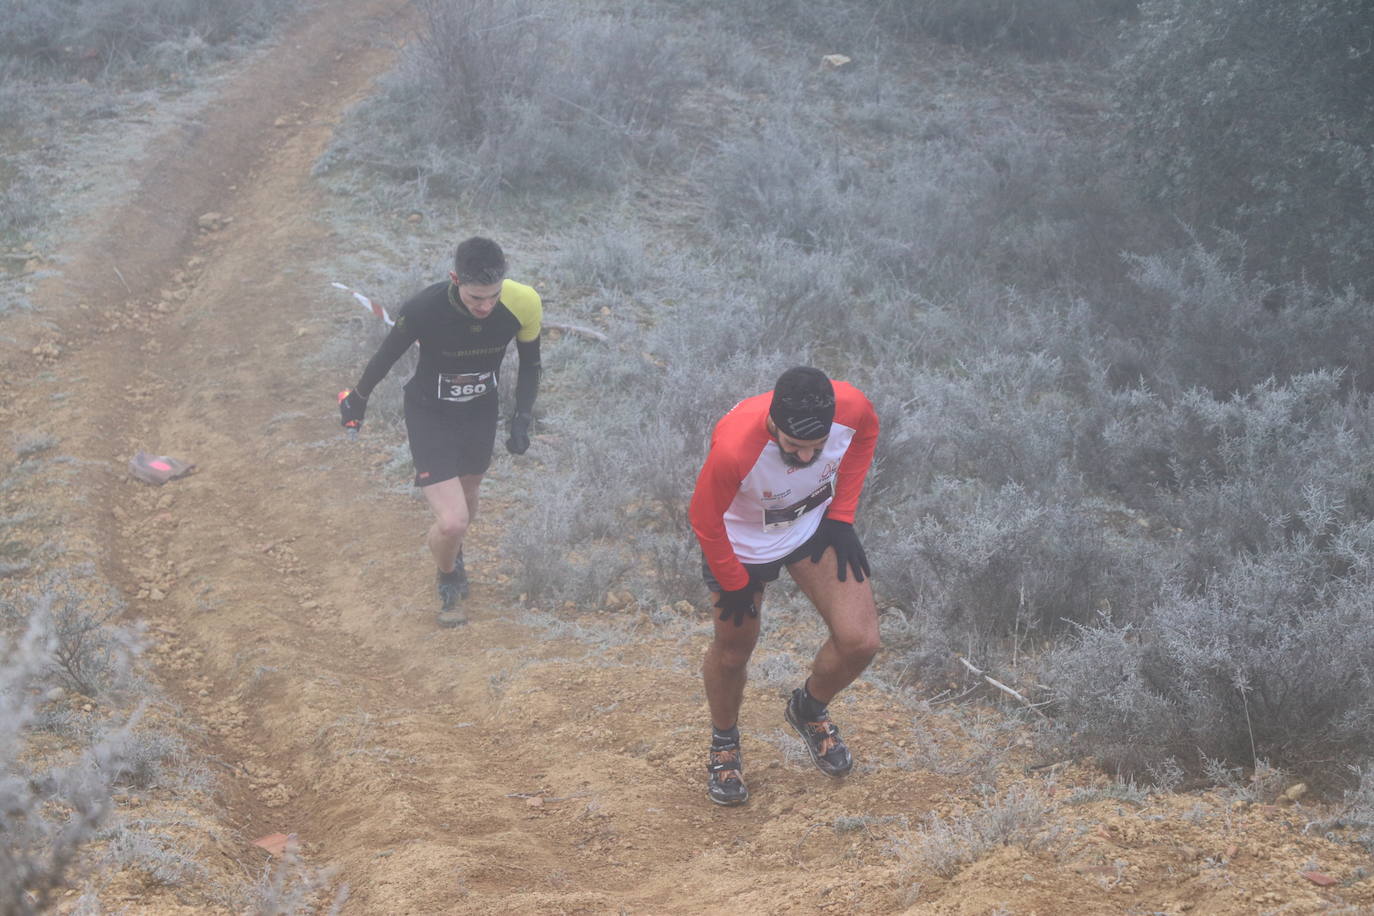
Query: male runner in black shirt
{"type": "Point", "coordinates": [462, 326]}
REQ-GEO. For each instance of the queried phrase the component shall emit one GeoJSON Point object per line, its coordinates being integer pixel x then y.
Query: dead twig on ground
{"type": "Point", "coordinates": [561, 798]}
{"type": "Point", "coordinates": [796, 853]}
{"type": "Point", "coordinates": [989, 679]}
{"type": "Point", "coordinates": [576, 329]}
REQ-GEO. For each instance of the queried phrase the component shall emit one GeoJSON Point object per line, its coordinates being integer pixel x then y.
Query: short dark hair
{"type": "Point", "coordinates": [480, 261]}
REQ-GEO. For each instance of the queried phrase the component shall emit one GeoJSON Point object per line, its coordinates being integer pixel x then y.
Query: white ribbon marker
{"type": "Point", "coordinates": [366, 303]}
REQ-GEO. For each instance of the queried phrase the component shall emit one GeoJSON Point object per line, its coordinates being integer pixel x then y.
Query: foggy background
{"type": "Point", "coordinates": [1102, 267]}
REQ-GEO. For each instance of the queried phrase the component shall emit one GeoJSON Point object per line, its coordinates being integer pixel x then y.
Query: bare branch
{"type": "Point", "coordinates": [979, 672]}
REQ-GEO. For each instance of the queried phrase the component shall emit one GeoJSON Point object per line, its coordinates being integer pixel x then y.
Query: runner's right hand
{"type": "Point", "coordinates": [352, 406]}
{"type": "Point", "coordinates": [736, 602]}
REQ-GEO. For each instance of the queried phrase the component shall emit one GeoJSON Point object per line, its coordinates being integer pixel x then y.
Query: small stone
{"type": "Point", "coordinates": [1321, 879]}
{"type": "Point", "coordinates": [281, 122]}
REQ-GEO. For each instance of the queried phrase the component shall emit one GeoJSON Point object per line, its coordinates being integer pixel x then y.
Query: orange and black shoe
{"type": "Point", "coordinates": [819, 734]}
{"type": "Point", "coordinates": [726, 763]}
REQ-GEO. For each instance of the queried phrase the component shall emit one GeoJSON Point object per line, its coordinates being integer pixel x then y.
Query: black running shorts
{"type": "Point", "coordinates": [763, 573]}
{"type": "Point", "coordinates": [450, 440]}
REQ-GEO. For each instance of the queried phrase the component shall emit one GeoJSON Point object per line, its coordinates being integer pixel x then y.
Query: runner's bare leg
{"type": "Point", "coordinates": [454, 504]}
{"type": "Point", "coordinates": [725, 668]}
{"type": "Point", "coordinates": [851, 615]}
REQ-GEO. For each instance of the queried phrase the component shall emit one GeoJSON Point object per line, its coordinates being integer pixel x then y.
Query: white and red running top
{"type": "Point", "coordinates": [749, 506]}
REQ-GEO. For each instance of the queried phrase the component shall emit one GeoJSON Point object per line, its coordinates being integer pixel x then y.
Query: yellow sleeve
{"type": "Point", "coordinates": [524, 304]}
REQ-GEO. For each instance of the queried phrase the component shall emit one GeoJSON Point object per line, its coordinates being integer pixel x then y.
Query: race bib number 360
{"type": "Point", "coordinates": [465, 386]}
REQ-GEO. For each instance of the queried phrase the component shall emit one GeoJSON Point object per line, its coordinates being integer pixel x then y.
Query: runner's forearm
{"type": "Point", "coordinates": [396, 343]}
{"type": "Point", "coordinates": [527, 379]}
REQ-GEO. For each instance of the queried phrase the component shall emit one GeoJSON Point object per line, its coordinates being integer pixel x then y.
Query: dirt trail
{"type": "Point", "coordinates": [503, 767]}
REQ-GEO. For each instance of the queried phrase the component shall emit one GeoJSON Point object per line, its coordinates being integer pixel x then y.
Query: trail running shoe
{"type": "Point", "coordinates": [726, 763]}
{"type": "Point", "coordinates": [821, 737]}
{"type": "Point", "coordinates": [451, 590]}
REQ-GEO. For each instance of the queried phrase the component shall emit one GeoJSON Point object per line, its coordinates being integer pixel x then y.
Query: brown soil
{"type": "Point", "coordinates": [502, 767]}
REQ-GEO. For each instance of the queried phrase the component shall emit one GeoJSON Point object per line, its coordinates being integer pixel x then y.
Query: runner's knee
{"type": "Point", "coordinates": [732, 656]}
{"type": "Point", "coordinates": [451, 526]}
{"type": "Point", "coordinates": [859, 647]}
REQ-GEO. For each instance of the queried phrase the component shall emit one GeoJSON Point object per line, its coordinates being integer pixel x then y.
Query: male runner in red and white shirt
{"type": "Point", "coordinates": [779, 488]}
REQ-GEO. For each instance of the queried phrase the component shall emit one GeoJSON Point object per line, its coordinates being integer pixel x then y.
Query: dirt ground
{"type": "Point", "coordinates": [490, 769]}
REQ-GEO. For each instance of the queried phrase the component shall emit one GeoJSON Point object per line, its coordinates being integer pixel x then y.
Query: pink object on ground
{"type": "Point", "coordinates": [275, 843]}
{"type": "Point", "coordinates": [158, 469]}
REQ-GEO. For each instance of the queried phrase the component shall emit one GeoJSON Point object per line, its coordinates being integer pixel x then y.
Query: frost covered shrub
{"type": "Point", "coordinates": [1221, 471]}
{"type": "Point", "coordinates": [1042, 28]}
{"type": "Point", "coordinates": [784, 181]}
{"type": "Point", "coordinates": [1038, 27]}
{"type": "Point", "coordinates": [1202, 322]}
{"type": "Point", "coordinates": [981, 567]}
{"type": "Point", "coordinates": [562, 554]}
{"type": "Point", "coordinates": [1000, 417]}
{"type": "Point", "coordinates": [46, 815]}
{"type": "Point", "coordinates": [100, 38]}
{"type": "Point", "coordinates": [612, 258]}
{"type": "Point", "coordinates": [944, 847]}
{"type": "Point", "coordinates": [1259, 644]}
{"type": "Point", "coordinates": [89, 652]}
{"type": "Point", "coordinates": [1272, 660]}
{"type": "Point", "coordinates": [1257, 116]}
{"type": "Point", "coordinates": [1016, 207]}
{"type": "Point", "coordinates": [503, 95]}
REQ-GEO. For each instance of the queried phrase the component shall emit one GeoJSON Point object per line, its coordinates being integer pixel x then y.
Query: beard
{"type": "Point", "coordinates": [792, 461]}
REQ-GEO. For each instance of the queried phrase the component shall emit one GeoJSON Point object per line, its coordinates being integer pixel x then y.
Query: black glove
{"type": "Point", "coordinates": [352, 406]}
{"type": "Point", "coordinates": [849, 553]}
{"type": "Point", "coordinates": [519, 440]}
{"type": "Point", "coordinates": [736, 602]}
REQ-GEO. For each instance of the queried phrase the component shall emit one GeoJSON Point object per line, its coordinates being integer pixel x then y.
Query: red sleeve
{"type": "Point", "coordinates": [717, 485]}
{"type": "Point", "coordinates": [854, 410]}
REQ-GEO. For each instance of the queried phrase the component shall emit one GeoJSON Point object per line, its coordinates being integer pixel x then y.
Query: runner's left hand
{"type": "Point", "coordinates": [849, 553]}
{"type": "Point", "coordinates": [735, 603]}
{"type": "Point", "coordinates": [519, 440]}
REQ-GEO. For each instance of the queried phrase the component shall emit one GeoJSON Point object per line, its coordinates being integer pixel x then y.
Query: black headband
{"type": "Point", "coordinates": [803, 405]}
